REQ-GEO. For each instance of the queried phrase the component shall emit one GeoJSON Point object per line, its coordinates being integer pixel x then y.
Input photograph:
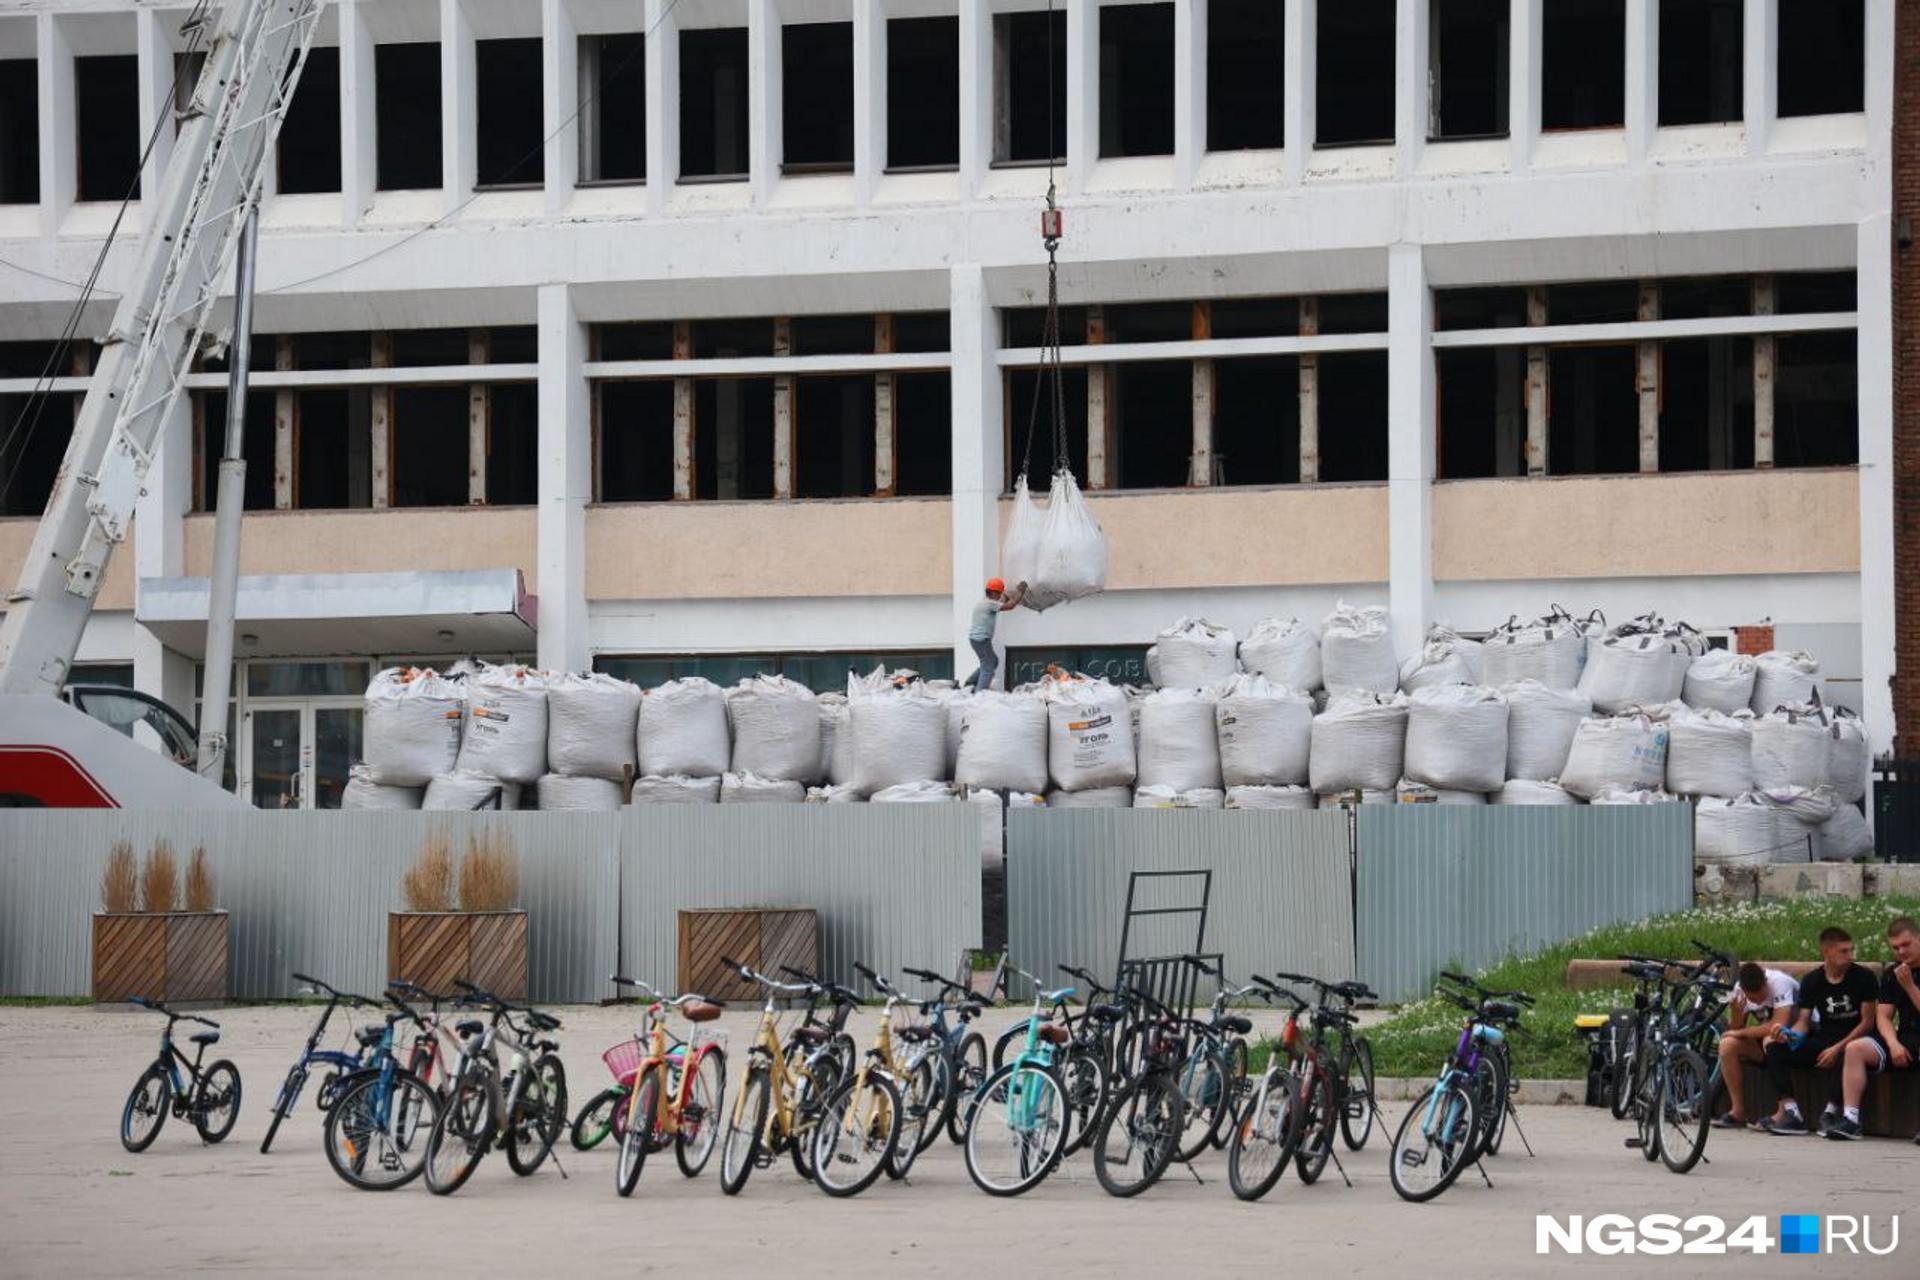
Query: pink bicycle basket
{"type": "Point", "coordinates": [624, 1059]}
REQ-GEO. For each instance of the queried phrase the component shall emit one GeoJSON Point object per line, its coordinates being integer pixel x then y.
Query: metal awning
{"type": "Point", "coordinates": [350, 614]}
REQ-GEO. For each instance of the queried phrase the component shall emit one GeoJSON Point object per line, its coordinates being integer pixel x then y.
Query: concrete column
{"type": "Point", "coordinates": [1414, 86]}
{"type": "Point", "coordinates": [1538, 373]}
{"type": "Point", "coordinates": [1523, 82]}
{"type": "Point", "coordinates": [1647, 380]}
{"type": "Point", "coordinates": [886, 416]}
{"type": "Point", "coordinates": [1083, 93]}
{"type": "Point", "coordinates": [1763, 364]}
{"type": "Point", "coordinates": [1200, 459]}
{"type": "Point", "coordinates": [783, 435]}
{"type": "Point", "coordinates": [683, 456]}
{"type": "Point", "coordinates": [478, 408]}
{"type": "Point", "coordinates": [156, 100]}
{"type": "Point", "coordinates": [285, 409]}
{"type": "Point", "coordinates": [1880, 74]}
{"type": "Point", "coordinates": [1309, 394]}
{"type": "Point", "coordinates": [979, 450]}
{"type": "Point", "coordinates": [869, 97]}
{"type": "Point", "coordinates": [1099, 406]}
{"type": "Point", "coordinates": [380, 417]}
{"type": "Point", "coordinates": [564, 486]}
{"type": "Point", "coordinates": [1189, 90]}
{"type": "Point", "coordinates": [359, 144]}
{"type": "Point", "coordinates": [1410, 445]}
{"type": "Point", "coordinates": [763, 98]}
{"type": "Point", "coordinates": [1299, 60]}
{"type": "Point", "coordinates": [459, 99]}
{"type": "Point", "coordinates": [1876, 476]}
{"type": "Point", "coordinates": [159, 551]}
{"type": "Point", "coordinates": [1643, 77]}
{"type": "Point", "coordinates": [662, 56]}
{"type": "Point", "coordinates": [560, 102]}
{"type": "Point", "coordinates": [976, 94]}
{"type": "Point", "coordinates": [59, 149]}
{"type": "Point", "coordinates": [1760, 77]}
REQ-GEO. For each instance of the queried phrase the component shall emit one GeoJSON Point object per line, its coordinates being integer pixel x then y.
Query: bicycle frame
{"type": "Point", "coordinates": [781, 1078]}
{"type": "Point", "coordinates": [1025, 1103]}
{"type": "Point", "coordinates": [664, 1052]}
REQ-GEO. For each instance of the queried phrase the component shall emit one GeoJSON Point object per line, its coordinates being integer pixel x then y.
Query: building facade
{"type": "Point", "coordinates": [705, 337]}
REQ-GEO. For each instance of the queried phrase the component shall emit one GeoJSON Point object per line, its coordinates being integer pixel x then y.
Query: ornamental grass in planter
{"type": "Point", "coordinates": [461, 922]}
{"type": "Point", "coordinates": [144, 944]}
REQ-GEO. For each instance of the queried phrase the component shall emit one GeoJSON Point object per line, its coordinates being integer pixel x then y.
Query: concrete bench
{"type": "Point", "coordinates": [1589, 975]}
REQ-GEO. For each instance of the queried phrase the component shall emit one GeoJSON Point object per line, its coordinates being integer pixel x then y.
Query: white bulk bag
{"type": "Point", "coordinates": [1622, 795]}
{"type": "Point", "coordinates": [505, 735]}
{"type": "Point", "coordinates": [1269, 797]}
{"type": "Point", "coordinates": [1192, 654]}
{"type": "Point", "coordinates": [463, 789]}
{"type": "Point", "coordinates": [915, 793]}
{"type": "Point", "coordinates": [1356, 650]}
{"type": "Point", "coordinates": [1634, 669]}
{"type": "Point", "coordinates": [1020, 546]}
{"type": "Point", "coordinates": [1541, 722]}
{"type": "Point", "coordinates": [1069, 552]}
{"type": "Point", "coordinates": [1719, 680]}
{"type": "Point", "coordinates": [412, 726]}
{"type": "Point", "coordinates": [1411, 792]}
{"type": "Point", "coordinates": [1457, 738]}
{"type": "Point", "coordinates": [899, 736]}
{"type": "Point", "coordinates": [1092, 798]}
{"type": "Point", "coordinates": [1265, 733]}
{"type": "Point", "coordinates": [1165, 797]}
{"type": "Point", "coordinates": [1089, 735]}
{"type": "Point", "coordinates": [1446, 658]}
{"type": "Point", "coordinates": [592, 721]}
{"type": "Point", "coordinates": [1003, 743]}
{"type": "Point", "coordinates": [1179, 746]}
{"type": "Point", "coordinates": [1284, 650]}
{"type": "Point", "coordinates": [362, 792]}
{"type": "Point", "coordinates": [1783, 678]}
{"type": "Point", "coordinates": [676, 789]}
{"type": "Point", "coordinates": [1791, 748]}
{"type": "Point", "coordinates": [1845, 836]}
{"type": "Point", "coordinates": [683, 730]}
{"type": "Point", "coordinates": [776, 729]}
{"type": "Point", "coordinates": [1347, 799]}
{"type": "Point", "coordinates": [1743, 831]}
{"type": "Point", "coordinates": [1710, 754]}
{"type": "Point", "coordinates": [957, 701]}
{"type": "Point", "coordinates": [832, 795]}
{"type": "Point", "coordinates": [1848, 758]}
{"type": "Point", "coordinates": [1551, 650]}
{"type": "Point", "coordinates": [1529, 791]}
{"type": "Point", "coordinates": [751, 788]}
{"type": "Point", "coordinates": [1359, 743]}
{"type": "Point", "coordinates": [558, 791]}
{"type": "Point", "coordinates": [1623, 752]}
{"type": "Point", "coordinates": [993, 832]}
{"type": "Point", "coordinates": [836, 743]}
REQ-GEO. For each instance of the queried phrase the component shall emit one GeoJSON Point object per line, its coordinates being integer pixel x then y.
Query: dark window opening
{"type": "Point", "coordinates": [1353, 313]}
{"type": "Point", "coordinates": [1246, 75]}
{"type": "Point", "coordinates": [33, 360]}
{"type": "Point", "coordinates": [647, 340]}
{"type": "Point", "coordinates": [1353, 416]}
{"type": "Point", "coordinates": [1026, 418]}
{"type": "Point", "coordinates": [350, 350]}
{"type": "Point", "coordinates": [613, 120]}
{"type": "Point", "coordinates": [1256, 420]}
{"type": "Point", "coordinates": [1706, 403]}
{"type": "Point", "coordinates": [1255, 317]}
{"type": "Point", "coordinates": [1151, 408]}
{"type": "Point", "coordinates": [733, 437]}
{"type": "Point", "coordinates": [1030, 80]}
{"type": "Point", "coordinates": [310, 135]}
{"type": "Point", "coordinates": [429, 446]}
{"type": "Point", "coordinates": [406, 88]}
{"type": "Point", "coordinates": [821, 671]}
{"type": "Point", "coordinates": [923, 434]}
{"type": "Point", "coordinates": [1816, 400]}
{"type": "Point", "coordinates": [507, 82]}
{"type": "Point", "coordinates": [923, 93]}
{"type": "Point", "coordinates": [1150, 322]}
{"type": "Point", "coordinates": [1700, 61]}
{"type": "Point", "coordinates": [1136, 79]}
{"type": "Point", "coordinates": [106, 91]}
{"type": "Point", "coordinates": [636, 441]}
{"type": "Point", "coordinates": [1482, 411]}
{"type": "Point", "coordinates": [1494, 307]}
{"type": "Point", "coordinates": [1467, 63]}
{"type": "Point", "coordinates": [1699, 297]}
{"type": "Point", "coordinates": [833, 437]}
{"type": "Point", "coordinates": [831, 335]}
{"type": "Point", "coordinates": [816, 96]}
{"type": "Point", "coordinates": [1583, 82]}
{"type": "Point", "coordinates": [262, 353]}
{"type": "Point", "coordinates": [921, 331]}
{"type": "Point", "coordinates": [1593, 411]}
{"type": "Point", "coordinates": [19, 131]}
{"type": "Point", "coordinates": [1600, 302]}
{"type": "Point", "coordinates": [513, 443]}
{"type": "Point", "coordinates": [333, 453]}
{"type": "Point", "coordinates": [717, 338]}
{"type": "Point", "coordinates": [1823, 57]}
{"type": "Point", "coordinates": [429, 348]}
{"type": "Point", "coordinates": [1801, 292]}
{"type": "Point", "coordinates": [256, 447]}
{"type": "Point", "coordinates": [1025, 326]}
{"type": "Point", "coordinates": [1353, 82]}
{"type": "Point", "coordinates": [713, 103]}
{"type": "Point", "coordinates": [34, 431]}
{"type": "Point", "coordinates": [513, 344]}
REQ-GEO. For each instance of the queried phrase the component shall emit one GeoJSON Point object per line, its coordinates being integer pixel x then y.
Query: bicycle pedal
{"type": "Point", "coordinates": [1633, 1144]}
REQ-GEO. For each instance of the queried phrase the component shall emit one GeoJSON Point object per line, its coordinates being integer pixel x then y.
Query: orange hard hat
{"type": "Point", "coordinates": [994, 584]}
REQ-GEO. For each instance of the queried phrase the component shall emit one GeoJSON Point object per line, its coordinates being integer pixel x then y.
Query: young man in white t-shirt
{"type": "Point", "coordinates": [1763, 999]}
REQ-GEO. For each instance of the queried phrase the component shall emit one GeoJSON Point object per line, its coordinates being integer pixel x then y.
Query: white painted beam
{"type": "Point", "coordinates": [359, 137]}
{"type": "Point", "coordinates": [1760, 77]}
{"type": "Point", "coordinates": [1878, 599]}
{"type": "Point", "coordinates": [155, 52]}
{"type": "Point", "coordinates": [559, 103]}
{"type": "Point", "coordinates": [59, 125]}
{"type": "Point", "coordinates": [1211, 348]}
{"type": "Point", "coordinates": [1414, 85]}
{"type": "Point", "coordinates": [763, 366]}
{"type": "Point", "coordinates": [459, 104]}
{"type": "Point", "coordinates": [1189, 90]}
{"type": "Point", "coordinates": [1410, 446]}
{"type": "Point", "coordinates": [1083, 93]}
{"type": "Point", "coordinates": [1523, 82]}
{"type": "Point", "coordinates": [1642, 330]}
{"type": "Point", "coordinates": [869, 97]}
{"type": "Point", "coordinates": [764, 143]}
{"type": "Point", "coordinates": [1643, 77]}
{"type": "Point", "coordinates": [662, 56]}
{"type": "Point", "coordinates": [1298, 86]}
{"type": "Point", "coordinates": [976, 94]}
{"type": "Point", "coordinates": [564, 484]}
{"type": "Point", "coordinates": [979, 451]}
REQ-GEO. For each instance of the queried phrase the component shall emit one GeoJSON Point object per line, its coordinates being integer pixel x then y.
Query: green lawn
{"type": "Point", "coordinates": [1419, 1036]}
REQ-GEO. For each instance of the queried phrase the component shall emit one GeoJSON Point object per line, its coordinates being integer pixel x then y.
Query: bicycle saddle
{"type": "Point", "coordinates": [913, 1035]}
{"type": "Point", "coordinates": [1236, 1024]}
{"type": "Point", "coordinates": [1052, 1033]}
{"type": "Point", "coordinates": [1108, 1012]}
{"type": "Point", "coordinates": [369, 1035]}
{"type": "Point", "coordinates": [808, 1035]}
{"type": "Point", "coordinates": [212, 1037]}
{"type": "Point", "coordinates": [1055, 997]}
{"type": "Point", "coordinates": [1645, 971]}
{"type": "Point", "coordinates": [1500, 1011]}
{"type": "Point", "coordinates": [700, 1011]}
{"type": "Point", "coordinates": [469, 1027]}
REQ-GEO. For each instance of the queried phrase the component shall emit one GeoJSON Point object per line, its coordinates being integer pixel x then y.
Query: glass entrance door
{"type": "Point", "coordinates": [275, 757]}
{"type": "Point", "coordinates": [299, 753]}
{"type": "Point", "coordinates": [336, 748]}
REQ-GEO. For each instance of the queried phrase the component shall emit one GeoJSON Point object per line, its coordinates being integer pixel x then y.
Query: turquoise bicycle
{"type": "Point", "coordinates": [1017, 1125]}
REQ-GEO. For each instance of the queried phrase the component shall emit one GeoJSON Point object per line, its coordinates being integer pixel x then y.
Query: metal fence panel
{"type": "Point", "coordinates": [1444, 885]}
{"type": "Point", "coordinates": [1281, 895]}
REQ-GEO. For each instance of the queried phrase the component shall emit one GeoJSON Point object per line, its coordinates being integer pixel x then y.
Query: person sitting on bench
{"type": "Point", "coordinates": [1836, 1008]}
{"type": "Point", "coordinates": [1894, 1043]}
{"type": "Point", "coordinates": [1763, 1000]}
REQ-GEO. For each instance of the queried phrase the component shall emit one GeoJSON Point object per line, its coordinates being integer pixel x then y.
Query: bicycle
{"type": "Point", "coordinates": [1267, 1131]}
{"type": "Point", "coordinates": [1493, 1074]}
{"type": "Point", "coordinates": [1454, 1121]}
{"type": "Point", "coordinates": [1674, 1103]}
{"type": "Point", "coordinates": [1213, 1080]}
{"type": "Point", "coordinates": [1021, 1108]}
{"type": "Point", "coordinates": [674, 1088]}
{"type": "Point", "coordinates": [211, 1100]}
{"type": "Point", "coordinates": [521, 1110]}
{"type": "Point", "coordinates": [342, 1063]}
{"type": "Point", "coordinates": [861, 1126]}
{"type": "Point", "coordinates": [962, 1050]}
{"type": "Point", "coordinates": [1140, 1134]}
{"type": "Point", "coordinates": [373, 1133]}
{"type": "Point", "coordinates": [1327, 1089]}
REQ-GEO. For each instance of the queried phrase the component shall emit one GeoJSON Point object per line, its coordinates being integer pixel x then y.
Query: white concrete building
{"type": "Point", "coordinates": [710, 328]}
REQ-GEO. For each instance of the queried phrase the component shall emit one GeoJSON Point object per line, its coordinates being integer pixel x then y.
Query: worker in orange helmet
{"type": "Point", "coordinates": [986, 613]}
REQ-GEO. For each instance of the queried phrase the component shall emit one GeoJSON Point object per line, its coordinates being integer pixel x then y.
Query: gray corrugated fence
{"type": "Point", "coordinates": [1281, 896]}
{"type": "Point", "coordinates": [1456, 884]}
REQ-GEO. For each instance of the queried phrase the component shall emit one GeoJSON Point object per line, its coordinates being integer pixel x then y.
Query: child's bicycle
{"type": "Point", "coordinates": [342, 1063]}
{"type": "Point", "coordinates": [211, 1100]}
{"type": "Point", "coordinates": [672, 1088]}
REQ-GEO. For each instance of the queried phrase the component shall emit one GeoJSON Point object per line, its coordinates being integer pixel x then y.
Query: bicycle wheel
{"type": "Point", "coordinates": [462, 1133]}
{"type": "Point", "coordinates": [536, 1116]}
{"type": "Point", "coordinates": [745, 1131]}
{"type": "Point", "coordinates": [942, 1102]}
{"type": "Point", "coordinates": [1682, 1110]}
{"type": "Point", "coordinates": [699, 1127]}
{"type": "Point", "coordinates": [1264, 1137]}
{"type": "Point", "coordinates": [1486, 1084]}
{"type": "Point", "coordinates": [284, 1102]}
{"type": "Point", "coordinates": [1237, 1091]}
{"type": "Point", "coordinates": [1434, 1141]}
{"type": "Point", "coordinates": [146, 1109]}
{"type": "Point", "coordinates": [372, 1134]}
{"type": "Point", "coordinates": [216, 1101]}
{"type": "Point", "coordinates": [595, 1121]}
{"type": "Point", "coordinates": [1009, 1042]}
{"type": "Point", "coordinates": [1496, 1128]}
{"type": "Point", "coordinates": [1140, 1135]}
{"type": "Point", "coordinates": [643, 1114]}
{"type": "Point", "coordinates": [1356, 1106]}
{"type": "Point", "coordinates": [919, 1109]}
{"type": "Point", "coordinates": [855, 1139]}
{"type": "Point", "coordinates": [1206, 1086]}
{"type": "Point", "coordinates": [969, 1073]}
{"type": "Point", "coordinates": [1317, 1123]}
{"type": "Point", "coordinates": [1017, 1129]}
{"type": "Point", "coordinates": [1626, 1078]}
{"type": "Point", "coordinates": [1084, 1078]}
{"type": "Point", "coordinates": [814, 1088]}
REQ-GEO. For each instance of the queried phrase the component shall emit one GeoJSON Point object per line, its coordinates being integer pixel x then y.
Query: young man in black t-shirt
{"type": "Point", "coordinates": [1836, 1008]}
{"type": "Point", "coordinates": [1894, 1043]}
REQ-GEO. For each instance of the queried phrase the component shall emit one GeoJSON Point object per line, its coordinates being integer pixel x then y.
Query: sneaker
{"type": "Point", "coordinates": [1728, 1120]}
{"type": "Point", "coordinates": [1785, 1126]}
{"type": "Point", "coordinates": [1844, 1130]}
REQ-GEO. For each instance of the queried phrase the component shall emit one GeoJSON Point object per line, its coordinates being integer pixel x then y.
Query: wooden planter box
{"type": "Point", "coordinates": [171, 956]}
{"type": "Point", "coordinates": [486, 948]}
{"type": "Point", "coordinates": [762, 938]}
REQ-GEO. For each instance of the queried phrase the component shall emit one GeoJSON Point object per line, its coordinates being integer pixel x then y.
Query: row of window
{"type": "Point", "coordinates": [1700, 65]}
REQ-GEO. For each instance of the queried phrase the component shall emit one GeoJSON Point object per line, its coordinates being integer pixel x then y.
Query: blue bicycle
{"type": "Point", "coordinates": [376, 1134]}
{"type": "Point", "coordinates": [962, 1050]}
{"type": "Point", "coordinates": [1452, 1124]}
{"type": "Point", "coordinates": [1017, 1125]}
{"type": "Point", "coordinates": [342, 1064]}
{"type": "Point", "coordinates": [211, 1101]}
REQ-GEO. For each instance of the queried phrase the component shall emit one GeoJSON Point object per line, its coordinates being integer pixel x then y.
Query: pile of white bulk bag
{"type": "Point", "coordinates": [1530, 791]}
{"type": "Point", "coordinates": [836, 741]}
{"type": "Point", "coordinates": [1003, 743]}
{"type": "Point", "coordinates": [1457, 738]}
{"type": "Point", "coordinates": [929, 792]}
{"type": "Point", "coordinates": [1060, 553]}
{"type": "Point", "coordinates": [1179, 745]}
{"type": "Point", "coordinates": [1551, 650]}
{"type": "Point", "coordinates": [1269, 797]}
{"type": "Point", "coordinates": [899, 736]}
{"type": "Point", "coordinates": [1359, 743]}
{"type": "Point", "coordinates": [683, 730]}
{"type": "Point", "coordinates": [1622, 795]}
{"type": "Point", "coordinates": [1640, 663]}
{"type": "Point", "coordinates": [993, 830]}
{"type": "Point", "coordinates": [676, 789]}
{"type": "Point", "coordinates": [1783, 678]}
{"type": "Point", "coordinates": [1743, 831]}
{"type": "Point", "coordinates": [1411, 792]}
{"type": "Point", "coordinates": [957, 701]}
{"type": "Point", "coordinates": [776, 729]}
{"type": "Point", "coordinates": [1347, 799]}
{"type": "Point", "coordinates": [362, 792]}
{"type": "Point", "coordinates": [1167, 797]}
{"type": "Point", "coordinates": [1621, 752]}
{"type": "Point", "coordinates": [412, 726]}
{"type": "Point", "coordinates": [464, 789]}
{"type": "Point", "coordinates": [591, 725]}
{"type": "Point", "coordinates": [751, 788]}
{"type": "Point", "coordinates": [1284, 650]}
{"type": "Point", "coordinates": [506, 730]}
{"type": "Point", "coordinates": [1845, 836]}
{"type": "Point", "coordinates": [1541, 722]}
{"type": "Point", "coordinates": [1849, 757]}
{"type": "Point", "coordinates": [1192, 654]}
{"type": "Point", "coordinates": [1356, 650]}
{"type": "Point", "coordinates": [1447, 657]}
{"type": "Point", "coordinates": [1092, 798]}
{"type": "Point", "coordinates": [1791, 748]}
{"type": "Point", "coordinates": [1719, 680]}
{"type": "Point", "coordinates": [1089, 736]}
{"type": "Point", "coordinates": [1710, 753]}
{"type": "Point", "coordinates": [832, 795]}
{"type": "Point", "coordinates": [560, 791]}
{"type": "Point", "coordinates": [1265, 732]}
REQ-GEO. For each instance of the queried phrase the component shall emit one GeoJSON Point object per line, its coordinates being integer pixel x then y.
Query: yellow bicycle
{"type": "Point", "coordinates": [786, 1087]}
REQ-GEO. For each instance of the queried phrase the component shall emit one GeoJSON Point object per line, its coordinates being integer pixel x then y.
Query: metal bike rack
{"type": "Point", "coordinates": [1167, 978]}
